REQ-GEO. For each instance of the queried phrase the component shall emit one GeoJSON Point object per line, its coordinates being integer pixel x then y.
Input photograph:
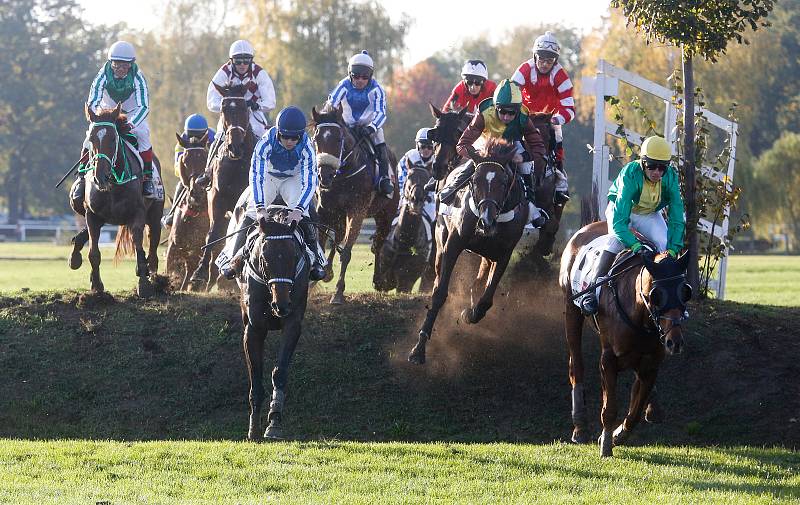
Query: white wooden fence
{"type": "Point", "coordinates": [606, 83]}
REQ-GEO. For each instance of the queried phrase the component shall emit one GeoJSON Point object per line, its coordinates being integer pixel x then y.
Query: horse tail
{"type": "Point", "coordinates": [124, 243]}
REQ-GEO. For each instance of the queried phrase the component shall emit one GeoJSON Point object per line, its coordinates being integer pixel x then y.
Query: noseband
{"type": "Point", "coordinates": [95, 159]}
{"type": "Point", "coordinates": [341, 160]}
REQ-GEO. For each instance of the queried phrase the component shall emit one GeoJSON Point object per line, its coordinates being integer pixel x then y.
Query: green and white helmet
{"type": "Point", "coordinates": [121, 51]}
{"type": "Point", "coordinates": [507, 94]}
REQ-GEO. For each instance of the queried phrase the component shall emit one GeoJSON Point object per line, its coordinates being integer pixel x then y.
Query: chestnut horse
{"type": "Point", "coordinates": [639, 320]}
{"type": "Point", "coordinates": [346, 194]}
{"type": "Point", "coordinates": [190, 222]}
{"type": "Point", "coordinates": [492, 215]}
{"type": "Point", "coordinates": [229, 163]}
{"type": "Point", "coordinates": [113, 195]}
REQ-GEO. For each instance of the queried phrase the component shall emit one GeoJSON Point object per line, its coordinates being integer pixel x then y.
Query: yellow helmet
{"type": "Point", "coordinates": [655, 149]}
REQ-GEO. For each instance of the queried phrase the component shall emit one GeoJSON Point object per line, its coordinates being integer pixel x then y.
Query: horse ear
{"type": "Point", "coordinates": [436, 112]}
{"type": "Point", "coordinates": [117, 110]}
{"type": "Point", "coordinates": [683, 261]}
{"type": "Point", "coordinates": [462, 113]}
{"type": "Point", "coordinates": [90, 115]}
{"type": "Point", "coordinates": [180, 139]}
{"type": "Point", "coordinates": [315, 114]}
{"type": "Point", "coordinates": [204, 138]}
{"type": "Point", "coordinates": [222, 91]}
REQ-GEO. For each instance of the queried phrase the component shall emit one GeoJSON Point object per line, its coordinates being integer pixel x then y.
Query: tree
{"type": "Point", "coordinates": [703, 28]}
{"type": "Point", "coordinates": [778, 171]}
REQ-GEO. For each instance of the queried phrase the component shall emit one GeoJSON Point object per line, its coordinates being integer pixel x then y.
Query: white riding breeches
{"type": "Point", "coordinates": [653, 226]}
{"type": "Point", "coordinates": [288, 188]}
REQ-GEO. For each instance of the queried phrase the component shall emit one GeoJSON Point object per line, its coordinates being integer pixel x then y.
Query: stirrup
{"type": "Point", "coordinates": [589, 304]}
{"type": "Point", "coordinates": [385, 187]}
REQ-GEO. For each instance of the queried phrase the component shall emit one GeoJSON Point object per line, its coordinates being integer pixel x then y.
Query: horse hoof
{"type": "Point", "coordinates": [620, 436]}
{"type": "Point", "coordinates": [253, 436]}
{"type": "Point", "coordinates": [654, 413]}
{"type": "Point", "coordinates": [328, 275]}
{"type": "Point", "coordinates": [580, 436]}
{"type": "Point", "coordinates": [273, 432]}
{"type": "Point", "coordinates": [606, 445]}
{"type": "Point", "coordinates": [417, 357]}
{"type": "Point", "coordinates": [144, 289]}
{"type": "Point", "coordinates": [98, 289]}
{"type": "Point", "coordinates": [337, 299]}
{"type": "Point", "coordinates": [468, 316]}
{"type": "Point", "coordinates": [75, 260]}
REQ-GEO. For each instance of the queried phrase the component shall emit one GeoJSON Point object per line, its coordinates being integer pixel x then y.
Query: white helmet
{"type": "Point", "coordinates": [241, 47]}
{"type": "Point", "coordinates": [422, 135]}
{"type": "Point", "coordinates": [476, 68]}
{"type": "Point", "coordinates": [547, 42]}
{"type": "Point", "coordinates": [121, 51]}
{"type": "Point", "coordinates": [362, 60]}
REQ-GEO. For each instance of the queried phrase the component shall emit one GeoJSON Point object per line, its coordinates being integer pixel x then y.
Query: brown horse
{"type": "Point", "coordinates": [190, 222]}
{"type": "Point", "coordinates": [406, 250]}
{"type": "Point", "coordinates": [229, 163]}
{"type": "Point", "coordinates": [274, 297]}
{"type": "Point", "coordinates": [640, 316]}
{"type": "Point", "coordinates": [346, 194]}
{"type": "Point", "coordinates": [113, 195]}
{"type": "Point", "coordinates": [545, 186]}
{"type": "Point", "coordinates": [493, 213]}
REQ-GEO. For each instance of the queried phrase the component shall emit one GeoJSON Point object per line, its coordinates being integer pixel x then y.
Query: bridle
{"type": "Point", "coordinates": [341, 159]}
{"type": "Point", "coordinates": [98, 156]}
{"type": "Point", "coordinates": [497, 205]}
{"type": "Point", "coordinates": [655, 314]}
{"type": "Point", "coordinates": [230, 127]}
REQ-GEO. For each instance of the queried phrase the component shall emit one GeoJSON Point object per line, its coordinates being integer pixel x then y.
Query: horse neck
{"type": "Point", "coordinates": [629, 286]}
{"type": "Point", "coordinates": [407, 226]}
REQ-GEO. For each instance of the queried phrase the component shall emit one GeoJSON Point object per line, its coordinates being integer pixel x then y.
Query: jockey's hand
{"type": "Point", "coordinates": [262, 224]}
{"type": "Point", "coordinates": [554, 120]}
{"type": "Point", "coordinates": [644, 251]}
{"type": "Point", "coordinates": [366, 130]}
{"type": "Point", "coordinates": [253, 104]}
{"type": "Point", "coordinates": [261, 213]}
{"type": "Point", "coordinates": [294, 216]}
{"type": "Point", "coordinates": [517, 158]}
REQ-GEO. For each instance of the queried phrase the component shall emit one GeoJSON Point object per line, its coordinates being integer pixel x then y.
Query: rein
{"type": "Point", "coordinates": [341, 160]}
{"type": "Point", "coordinates": [121, 178]}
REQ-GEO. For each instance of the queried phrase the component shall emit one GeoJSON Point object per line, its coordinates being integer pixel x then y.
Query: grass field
{"type": "Point", "coordinates": [80, 472]}
{"type": "Point", "coordinates": [763, 280]}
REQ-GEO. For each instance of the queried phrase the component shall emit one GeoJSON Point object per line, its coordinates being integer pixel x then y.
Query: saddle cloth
{"type": "Point", "coordinates": [584, 269]}
{"type": "Point", "coordinates": [158, 184]}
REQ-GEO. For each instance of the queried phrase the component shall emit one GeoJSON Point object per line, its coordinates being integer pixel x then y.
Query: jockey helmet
{"type": "Point", "coordinates": [547, 46]}
{"type": "Point", "coordinates": [360, 64]}
{"type": "Point", "coordinates": [195, 123]}
{"type": "Point", "coordinates": [507, 95]}
{"type": "Point", "coordinates": [241, 47]}
{"type": "Point", "coordinates": [422, 135]}
{"type": "Point", "coordinates": [475, 68]}
{"type": "Point", "coordinates": [655, 148]}
{"type": "Point", "coordinates": [291, 121]}
{"type": "Point", "coordinates": [121, 51]}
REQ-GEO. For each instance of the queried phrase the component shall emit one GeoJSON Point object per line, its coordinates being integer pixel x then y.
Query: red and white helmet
{"type": "Point", "coordinates": [121, 51]}
{"type": "Point", "coordinates": [476, 68]}
{"type": "Point", "coordinates": [241, 47]}
{"type": "Point", "coordinates": [547, 42]}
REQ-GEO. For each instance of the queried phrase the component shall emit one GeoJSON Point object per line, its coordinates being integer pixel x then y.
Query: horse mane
{"type": "Point", "coordinates": [121, 119]}
{"type": "Point", "coordinates": [237, 90]}
{"type": "Point", "coordinates": [499, 150]}
{"type": "Point", "coordinates": [541, 117]}
{"type": "Point", "coordinates": [329, 114]}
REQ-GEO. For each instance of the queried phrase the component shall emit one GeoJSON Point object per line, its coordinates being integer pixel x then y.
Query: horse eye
{"type": "Point", "coordinates": [685, 292]}
{"type": "Point", "coordinates": [658, 298]}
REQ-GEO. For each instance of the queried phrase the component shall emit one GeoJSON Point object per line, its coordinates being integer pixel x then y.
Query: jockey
{"type": "Point", "coordinates": [284, 165]}
{"type": "Point", "coordinates": [504, 116]}
{"type": "Point", "coordinates": [195, 126]}
{"type": "Point", "coordinates": [240, 69]}
{"type": "Point", "coordinates": [546, 87]}
{"type": "Point", "coordinates": [363, 103]}
{"type": "Point", "coordinates": [121, 81]}
{"type": "Point", "coordinates": [474, 88]}
{"type": "Point", "coordinates": [635, 199]}
{"type": "Point", "coordinates": [421, 156]}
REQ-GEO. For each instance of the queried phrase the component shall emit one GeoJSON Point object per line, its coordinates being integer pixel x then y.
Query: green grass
{"type": "Point", "coordinates": [80, 472]}
{"type": "Point", "coordinates": [764, 280]}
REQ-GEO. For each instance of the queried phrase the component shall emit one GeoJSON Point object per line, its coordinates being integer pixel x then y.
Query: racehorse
{"type": "Point", "coordinates": [639, 320]}
{"type": "Point", "coordinates": [113, 195]}
{"type": "Point", "coordinates": [190, 222]}
{"type": "Point", "coordinates": [492, 215]}
{"type": "Point", "coordinates": [346, 194]}
{"type": "Point", "coordinates": [405, 251]}
{"type": "Point", "coordinates": [545, 186]}
{"type": "Point", "coordinates": [274, 297]}
{"type": "Point", "coordinates": [229, 162]}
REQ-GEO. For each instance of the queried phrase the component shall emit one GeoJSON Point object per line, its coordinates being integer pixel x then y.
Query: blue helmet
{"type": "Point", "coordinates": [195, 122]}
{"type": "Point", "coordinates": [291, 121]}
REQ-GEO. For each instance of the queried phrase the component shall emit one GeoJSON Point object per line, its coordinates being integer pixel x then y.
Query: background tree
{"type": "Point", "coordinates": [778, 171]}
{"type": "Point", "coordinates": [701, 28]}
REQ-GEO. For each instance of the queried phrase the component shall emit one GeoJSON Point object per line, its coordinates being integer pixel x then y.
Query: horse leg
{"type": "Point", "coordinates": [78, 241]}
{"type": "Point", "coordinates": [154, 234]}
{"type": "Point", "coordinates": [383, 225]}
{"type": "Point", "coordinates": [94, 223]}
{"type": "Point", "coordinates": [640, 391]}
{"type": "Point", "coordinates": [654, 414]}
{"type": "Point", "coordinates": [353, 228]}
{"type": "Point", "coordinates": [445, 264]}
{"type": "Point", "coordinates": [573, 325]}
{"type": "Point", "coordinates": [144, 288]}
{"type": "Point", "coordinates": [472, 315]}
{"type": "Point", "coordinates": [254, 355]}
{"type": "Point", "coordinates": [608, 376]}
{"type": "Point", "coordinates": [429, 272]}
{"type": "Point", "coordinates": [289, 337]}
{"type": "Point", "coordinates": [216, 213]}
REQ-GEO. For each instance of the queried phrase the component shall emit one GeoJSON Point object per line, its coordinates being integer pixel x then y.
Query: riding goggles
{"type": "Point", "coordinates": [424, 145]}
{"type": "Point", "coordinates": [507, 112]}
{"type": "Point", "coordinates": [293, 138]}
{"type": "Point", "coordinates": [362, 77]}
{"type": "Point", "coordinates": [655, 165]}
{"type": "Point", "coordinates": [242, 61]}
{"type": "Point", "coordinates": [473, 82]}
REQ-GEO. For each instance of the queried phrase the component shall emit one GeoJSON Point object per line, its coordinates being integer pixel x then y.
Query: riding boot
{"type": "Point", "coordinates": [236, 265]}
{"type": "Point", "coordinates": [148, 189]}
{"type": "Point", "coordinates": [539, 217]}
{"type": "Point", "coordinates": [166, 221]}
{"type": "Point", "coordinates": [589, 302]}
{"type": "Point", "coordinates": [309, 231]}
{"type": "Point", "coordinates": [79, 186]}
{"type": "Point", "coordinates": [430, 186]}
{"type": "Point", "coordinates": [385, 186]}
{"type": "Point", "coordinates": [448, 193]}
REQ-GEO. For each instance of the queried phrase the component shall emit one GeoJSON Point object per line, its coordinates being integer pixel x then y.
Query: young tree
{"type": "Point", "coordinates": [777, 171]}
{"type": "Point", "coordinates": [700, 28]}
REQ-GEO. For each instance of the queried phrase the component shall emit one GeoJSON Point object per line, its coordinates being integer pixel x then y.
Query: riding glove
{"type": "Point", "coordinates": [253, 104]}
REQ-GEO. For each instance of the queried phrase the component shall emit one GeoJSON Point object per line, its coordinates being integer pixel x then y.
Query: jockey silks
{"type": "Point", "coordinates": [495, 128]}
{"type": "Point", "coordinates": [273, 163]}
{"type": "Point", "coordinates": [550, 93]}
{"type": "Point", "coordinates": [360, 106]}
{"type": "Point", "coordinates": [120, 89]}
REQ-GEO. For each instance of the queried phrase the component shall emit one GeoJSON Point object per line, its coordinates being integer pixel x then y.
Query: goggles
{"type": "Point", "coordinates": [659, 166]}
{"type": "Point", "coordinates": [473, 82]}
{"type": "Point", "coordinates": [242, 60]}
{"type": "Point", "coordinates": [507, 112]}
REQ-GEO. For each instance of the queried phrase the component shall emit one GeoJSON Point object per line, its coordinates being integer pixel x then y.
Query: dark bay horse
{"type": "Point", "coordinates": [639, 321]}
{"type": "Point", "coordinates": [545, 186]}
{"type": "Point", "coordinates": [190, 222]}
{"type": "Point", "coordinates": [229, 163]}
{"type": "Point", "coordinates": [346, 192]}
{"type": "Point", "coordinates": [406, 250]}
{"type": "Point", "coordinates": [489, 221]}
{"type": "Point", "coordinates": [274, 297]}
{"type": "Point", "coordinates": [113, 195]}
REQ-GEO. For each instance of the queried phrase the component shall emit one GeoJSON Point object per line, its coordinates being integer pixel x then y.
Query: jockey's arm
{"type": "Point", "coordinates": [142, 94]}
{"type": "Point", "coordinates": [452, 101]}
{"type": "Point", "coordinates": [213, 97]}
{"type": "Point", "coordinates": [402, 173]}
{"type": "Point", "coordinates": [308, 178]}
{"type": "Point", "coordinates": [562, 87]}
{"type": "Point", "coordinates": [258, 167]}
{"type": "Point", "coordinates": [266, 92]}
{"type": "Point", "coordinates": [534, 147]}
{"type": "Point", "coordinates": [464, 147]}
{"type": "Point", "coordinates": [623, 204]}
{"type": "Point", "coordinates": [676, 222]}
{"type": "Point", "coordinates": [338, 94]}
{"type": "Point", "coordinates": [379, 107]}
{"type": "Point", "coordinates": [96, 90]}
